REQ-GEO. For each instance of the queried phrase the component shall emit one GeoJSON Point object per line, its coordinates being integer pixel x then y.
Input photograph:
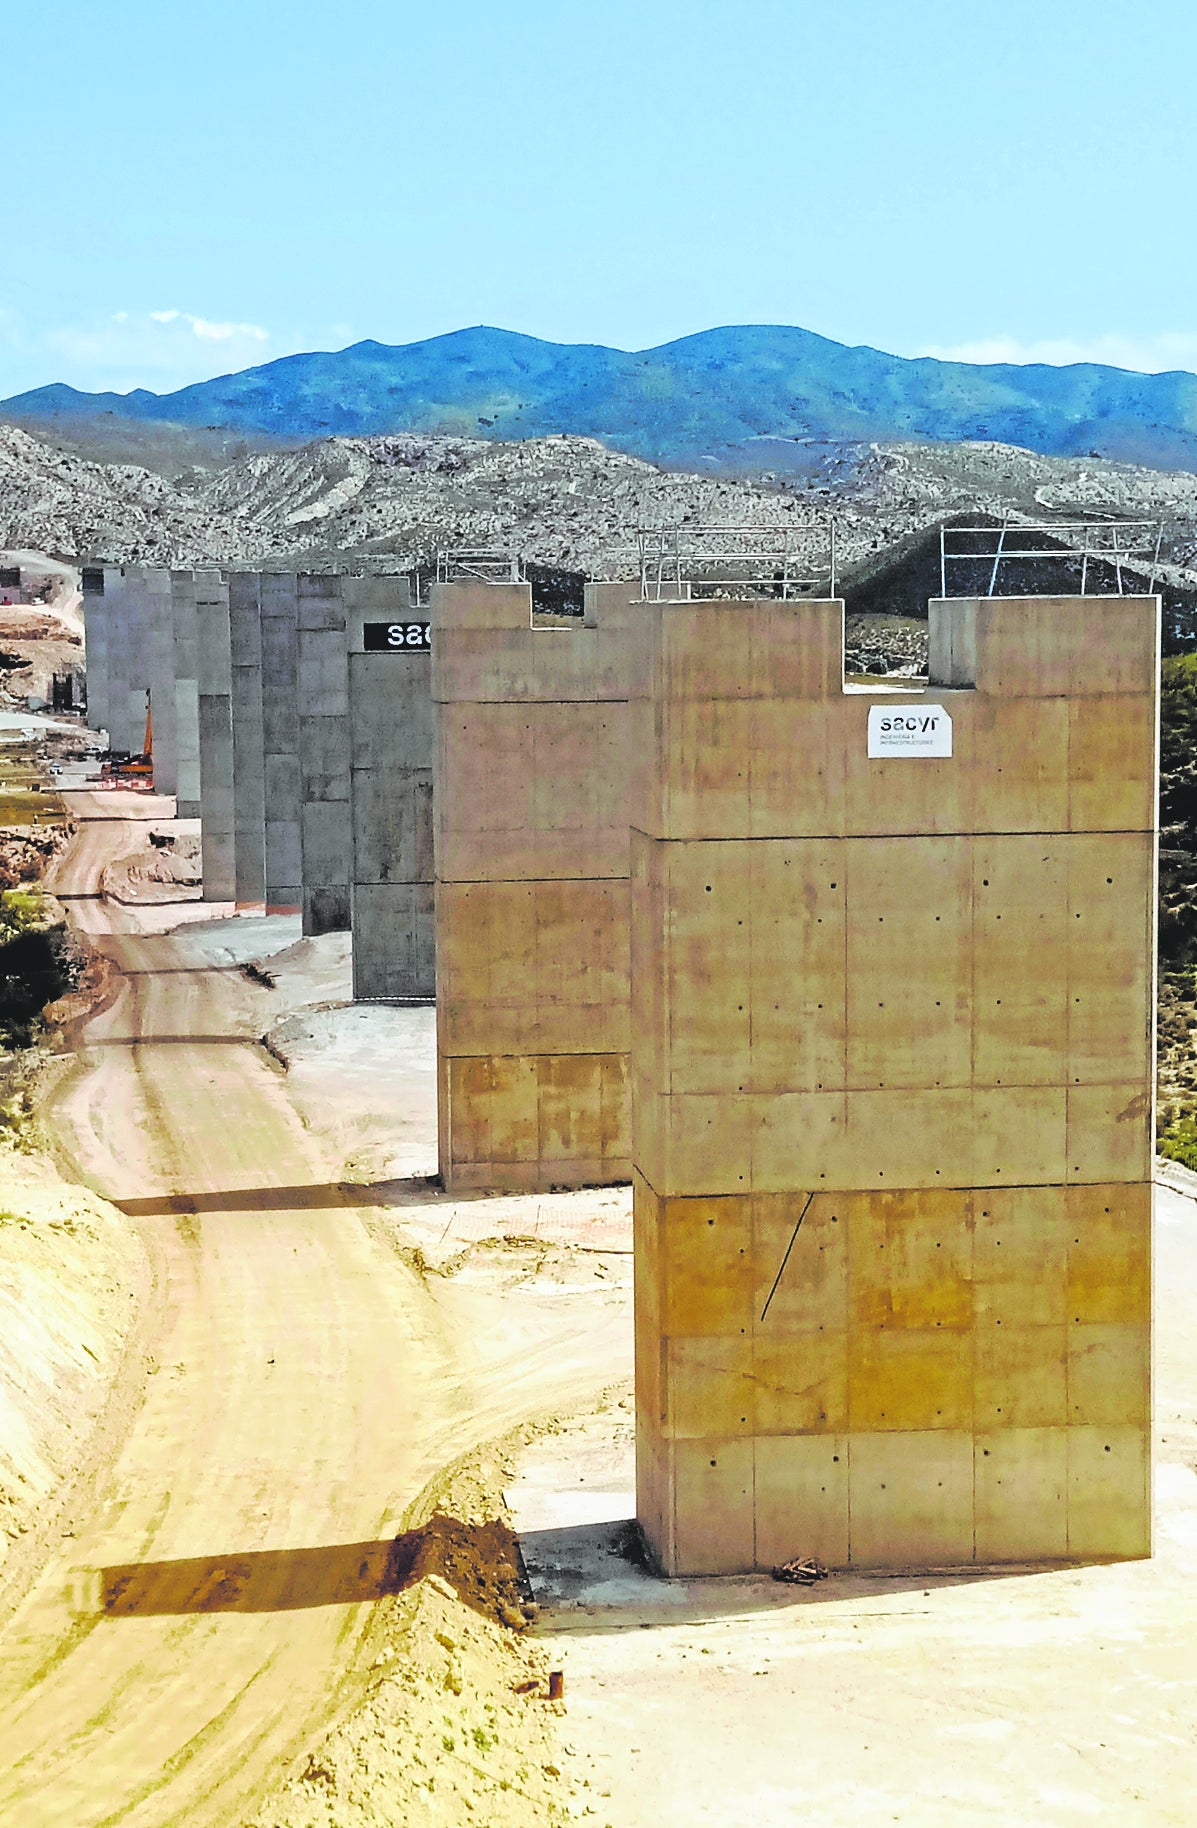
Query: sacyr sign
{"type": "Point", "coordinates": [397, 637]}
{"type": "Point", "coordinates": [909, 730]}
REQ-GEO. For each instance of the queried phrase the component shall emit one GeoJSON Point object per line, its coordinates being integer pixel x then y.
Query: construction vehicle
{"type": "Point", "coordinates": [133, 770]}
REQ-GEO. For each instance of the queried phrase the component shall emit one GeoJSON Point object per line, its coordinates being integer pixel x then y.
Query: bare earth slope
{"type": "Point", "coordinates": [72, 1279]}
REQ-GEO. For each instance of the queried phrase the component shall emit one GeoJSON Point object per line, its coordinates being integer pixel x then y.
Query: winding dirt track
{"type": "Point", "coordinates": [191, 1636]}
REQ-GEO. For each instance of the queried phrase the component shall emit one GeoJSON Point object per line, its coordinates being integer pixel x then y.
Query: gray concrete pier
{"type": "Point", "coordinates": [99, 584]}
{"type": "Point", "coordinates": [249, 799]}
{"type": "Point", "coordinates": [280, 742]}
{"type": "Point", "coordinates": [391, 748]}
{"type": "Point", "coordinates": [159, 638]}
{"type": "Point", "coordinates": [323, 679]}
{"type": "Point", "coordinates": [215, 736]}
{"type": "Point", "coordinates": [186, 673]}
{"type": "Point", "coordinates": [127, 678]}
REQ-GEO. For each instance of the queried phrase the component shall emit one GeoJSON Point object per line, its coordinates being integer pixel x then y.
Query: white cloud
{"type": "Point", "coordinates": [223, 333]}
{"type": "Point", "coordinates": [161, 350]}
{"type": "Point", "coordinates": [204, 326]}
{"type": "Point", "coordinates": [1148, 354]}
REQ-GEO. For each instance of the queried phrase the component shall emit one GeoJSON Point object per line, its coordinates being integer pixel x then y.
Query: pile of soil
{"type": "Point", "coordinates": [167, 868]}
{"type": "Point", "coordinates": [453, 1722]}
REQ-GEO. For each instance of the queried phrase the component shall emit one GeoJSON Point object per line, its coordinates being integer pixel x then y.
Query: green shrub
{"type": "Point", "coordinates": [22, 911]}
{"type": "Point", "coordinates": [1179, 1142]}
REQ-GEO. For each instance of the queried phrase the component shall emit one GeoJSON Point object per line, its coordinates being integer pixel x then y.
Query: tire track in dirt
{"type": "Point", "coordinates": [297, 1377]}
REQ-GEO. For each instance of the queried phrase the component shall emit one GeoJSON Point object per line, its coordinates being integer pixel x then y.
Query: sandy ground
{"type": "Point", "coordinates": [1050, 1697]}
{"type": "Point", "coordinates": [188, 1645]}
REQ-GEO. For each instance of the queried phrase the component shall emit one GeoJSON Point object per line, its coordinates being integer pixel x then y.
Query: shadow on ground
{"type": "Point", "coordinates": [480, 1561]}
{"type": "Point", "coordinates": [315, 1197]}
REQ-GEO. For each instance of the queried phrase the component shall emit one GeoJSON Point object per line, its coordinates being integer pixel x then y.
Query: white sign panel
{"type": "Point", "coordinates": [909, 730]}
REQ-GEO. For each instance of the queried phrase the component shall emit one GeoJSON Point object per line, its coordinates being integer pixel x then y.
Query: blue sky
{"type": "Point", "coordinates": [189, 190]}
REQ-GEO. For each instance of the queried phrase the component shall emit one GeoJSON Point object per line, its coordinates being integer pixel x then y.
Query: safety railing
{"type": "Point", "coordinates": [455, 565]}
{"type": "Point", "coordinates": [712, 561]}
{"type": "Point", "coordinates": [1090, 553]}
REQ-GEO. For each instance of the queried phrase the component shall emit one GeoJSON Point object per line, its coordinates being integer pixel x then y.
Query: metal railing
{"type": "Point", "coordinates": [1109, 546]}
{"type": "Point", "coordinates": [455, 564]}
{"type": "Point", "coordinates": [715, 561]}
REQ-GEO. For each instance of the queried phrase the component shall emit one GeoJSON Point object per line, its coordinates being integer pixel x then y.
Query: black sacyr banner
{"type": "Point", "coordinates": [407, 637]}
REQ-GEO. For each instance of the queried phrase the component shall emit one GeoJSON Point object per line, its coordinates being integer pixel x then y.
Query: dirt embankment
{"type": "Point", "coordinates": [73, 1273]}
{"type": "Point", "coordinates": [166, 868]}
{"type": "Point", "coordinates": [73, 1279]}
{"type": "Point", "coordinates": [451, 1722]}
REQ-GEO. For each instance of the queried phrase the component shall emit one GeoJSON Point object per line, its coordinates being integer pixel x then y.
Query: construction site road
{"type": "Point", "coordinates": [196, 1629]}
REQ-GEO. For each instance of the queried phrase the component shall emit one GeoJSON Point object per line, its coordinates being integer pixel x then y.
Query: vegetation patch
{"type": "Point", "coordinates": [39, 962]}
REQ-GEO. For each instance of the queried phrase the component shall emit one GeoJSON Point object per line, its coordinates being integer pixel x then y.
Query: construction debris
{"type": "Point", "coordinates": [803, 1571]}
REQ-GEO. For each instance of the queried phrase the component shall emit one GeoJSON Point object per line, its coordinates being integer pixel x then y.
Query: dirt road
{"type": "Point", "coordinates": [192, 1632]}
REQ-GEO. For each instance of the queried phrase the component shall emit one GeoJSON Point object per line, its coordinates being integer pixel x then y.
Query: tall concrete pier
{"type": "Point", "coordinates": [215, 736]}
{"type": "Point", "coordinates": [159, 638]}
{"type": "Point", "coordinates": [892, 1000]}
{"type": "Point", "coordinates": [282, 797]}
{"type": "Point", "coordinates": [531, 821]}
{"type": "Point", "coordinates": [249, 797]}
{"type": "Point", "coordinates": [323, 689]}
{"type": "Point", "coordinates": [100, 585]}
{"type": "Point", "coordinates": [128, 675]}
{"type": "Point", "coordinates": [391, 749]}
{"type": "Point", "coordinates": [186, 677]}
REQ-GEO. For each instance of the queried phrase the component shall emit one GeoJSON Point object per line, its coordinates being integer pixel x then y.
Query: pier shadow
{"type": "Point", "coordinates": [264, 1580]}
{"type": "Point", "coordinates": [479, 1561]}
{"type": "Point", "coordinates": [312, 1197]}
{"type": "Point", "coordinates": [110, 1041]}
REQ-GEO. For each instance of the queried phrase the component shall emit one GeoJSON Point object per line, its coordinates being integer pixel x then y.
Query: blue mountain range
{"type": "Point", "coordinates": [742, 397]}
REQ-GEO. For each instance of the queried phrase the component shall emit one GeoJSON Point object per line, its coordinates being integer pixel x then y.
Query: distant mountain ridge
{"type": "Point", "coordinates": [741, 397]}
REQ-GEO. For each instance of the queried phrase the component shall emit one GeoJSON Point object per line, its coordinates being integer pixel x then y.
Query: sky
{"type": "Point", "coordinates": [191, 190]}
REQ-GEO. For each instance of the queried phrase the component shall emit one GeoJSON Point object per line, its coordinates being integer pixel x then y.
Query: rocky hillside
{"type": "Point", "coordinates": [729, 398]}
{"type": "Point", "coordinates": [570, 502]}
{"type": "Point", "coordinates": [52, 501]}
